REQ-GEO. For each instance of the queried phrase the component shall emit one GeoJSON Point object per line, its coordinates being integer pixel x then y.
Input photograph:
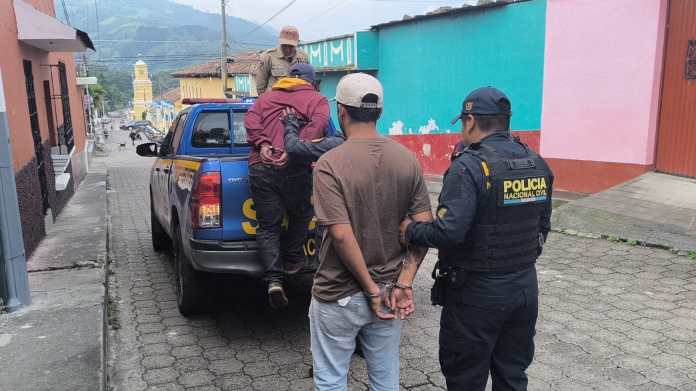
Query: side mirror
{"type": "Point", "coordinates": [163, 149]}
{"type": "Point", "coordinates": [148, 149]}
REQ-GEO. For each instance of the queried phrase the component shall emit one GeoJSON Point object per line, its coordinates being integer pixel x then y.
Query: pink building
{"type": "Point", "coordinates": [619, 95]}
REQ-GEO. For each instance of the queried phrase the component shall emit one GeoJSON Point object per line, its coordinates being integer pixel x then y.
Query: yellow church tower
{"type": "Point", "coordinates": [142, 90]}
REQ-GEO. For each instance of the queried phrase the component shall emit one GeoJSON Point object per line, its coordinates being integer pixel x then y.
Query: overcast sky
{"type": "Point", "coordinates": [324, 18]}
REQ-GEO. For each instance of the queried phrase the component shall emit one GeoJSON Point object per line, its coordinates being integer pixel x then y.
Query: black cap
{"type": "Point", "coordinates": [485, 101]}
{"type": "Point", "coordinates": [303, 71]}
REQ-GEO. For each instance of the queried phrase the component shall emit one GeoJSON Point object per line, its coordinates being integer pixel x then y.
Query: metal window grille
{"type": "Point", "coordinates": [36, 134]}
{"type": "Point", "coordinates": [68, 138]}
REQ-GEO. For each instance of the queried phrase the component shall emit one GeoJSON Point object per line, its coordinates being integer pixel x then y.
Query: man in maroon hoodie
{"type": "Point", "coordinates": [280, 184]}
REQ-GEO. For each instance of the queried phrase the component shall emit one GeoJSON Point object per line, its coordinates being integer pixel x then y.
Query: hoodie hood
{"type": "Point", "coordinates": [292, 84]}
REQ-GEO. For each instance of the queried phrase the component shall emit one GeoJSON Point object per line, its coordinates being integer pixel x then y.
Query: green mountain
{"type": "Point", "coordinates": [164, 34]}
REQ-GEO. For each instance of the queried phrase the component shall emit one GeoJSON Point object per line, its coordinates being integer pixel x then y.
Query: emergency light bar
{"type": "Point", "coordinates": [193, 101]}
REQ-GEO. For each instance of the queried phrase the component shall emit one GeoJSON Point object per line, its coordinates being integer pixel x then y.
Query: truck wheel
{"type": "Point", "coordinates": [189, 284]}
{"type": "Point", "coordinates": [160, 240]}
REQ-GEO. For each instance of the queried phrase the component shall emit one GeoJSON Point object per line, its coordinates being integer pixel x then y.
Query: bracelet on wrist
{"type": "Point", "coordinates": [402, 286]}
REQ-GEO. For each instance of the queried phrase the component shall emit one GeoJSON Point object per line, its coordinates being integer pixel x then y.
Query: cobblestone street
{"type": "Point", "coordinates": [612, 316]}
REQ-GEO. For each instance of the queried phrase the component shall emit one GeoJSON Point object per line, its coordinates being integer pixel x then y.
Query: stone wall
{"type": "Point", "coordinates": [29, 198]}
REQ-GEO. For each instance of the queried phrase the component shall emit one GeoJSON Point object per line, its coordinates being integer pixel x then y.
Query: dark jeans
{"type": "Point", "coordinates": [488, 324]}
{"type": "Point", "coordinates": [276, 192]}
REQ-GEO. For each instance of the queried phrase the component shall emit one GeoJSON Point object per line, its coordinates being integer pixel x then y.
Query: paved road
{"type": "Point", "coordinates": [613, 317]}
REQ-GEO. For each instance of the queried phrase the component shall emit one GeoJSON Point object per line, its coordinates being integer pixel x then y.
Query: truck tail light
{"type": "Point", "coordinates": [206, 200]}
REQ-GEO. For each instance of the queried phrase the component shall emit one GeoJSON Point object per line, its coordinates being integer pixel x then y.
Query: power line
{"type": "Point", "coordinates": [65, 12]}
{"type": "Point", "coordinates": [180, 41]}
{"type": "Point", "coordinates": [174, 57]}
{"type": "Point", "coordinates": [271, 18]}
{"type": "Point", "coordinates": [340, 3]}
{"type": "Point", "coordinates": [96, 14]}
{"type": "Point", "coordinates": [413, 1]}
{"type": "Point", "coordinates": [164, 55]}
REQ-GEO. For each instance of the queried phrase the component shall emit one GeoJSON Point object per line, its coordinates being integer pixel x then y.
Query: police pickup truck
{"type": "Point", "coordinates": [200, 204]}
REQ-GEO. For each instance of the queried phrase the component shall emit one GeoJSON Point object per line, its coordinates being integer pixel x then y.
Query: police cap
{"type": "Point", "coordinates": [485, 101]}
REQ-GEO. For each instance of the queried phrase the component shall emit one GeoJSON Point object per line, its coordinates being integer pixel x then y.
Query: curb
{"type": "Point", "coordinates": [105, 302]}
{"type": "Point", "coordinates": [619, 239]}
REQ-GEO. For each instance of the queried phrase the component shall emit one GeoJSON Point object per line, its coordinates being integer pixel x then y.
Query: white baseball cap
{"type": "Point", "coordinates": [352, 89]}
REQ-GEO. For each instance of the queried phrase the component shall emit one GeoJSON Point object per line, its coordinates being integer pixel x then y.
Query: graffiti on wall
{"type": "Point", "coordinates": [398, 128]}
{"type": "Point", "coordinates": [335, 53]}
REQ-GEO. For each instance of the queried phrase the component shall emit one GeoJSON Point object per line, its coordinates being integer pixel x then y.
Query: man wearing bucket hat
{"type": "Point", "coordinates": [276, 62]}
{"type": "Point", "coordinates": [362, 288]}
{"type": "Point", "coordinates": [492, 221]}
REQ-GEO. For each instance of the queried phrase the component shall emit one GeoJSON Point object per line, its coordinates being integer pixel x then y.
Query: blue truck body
{"type": "Point", "coordinates": [181, 162]}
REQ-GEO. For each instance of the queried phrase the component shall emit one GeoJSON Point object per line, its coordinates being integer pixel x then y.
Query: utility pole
{"type": "Point", "coordinates": [14, 281]}
{"type": "Point", "coordinates": [223, 54]}
{"type": "Point", "coordinates": [84, 65]}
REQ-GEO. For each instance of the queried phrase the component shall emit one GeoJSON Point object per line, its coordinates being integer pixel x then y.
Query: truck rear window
{"type": "Point", "coordinates": [239, 131]}
{"type": "Point", "coordinates": [212, 130]}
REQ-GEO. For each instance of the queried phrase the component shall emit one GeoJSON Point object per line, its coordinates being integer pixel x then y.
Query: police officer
{"type": "Point", "coordinates": [492, 220]}
{"type": "Point", "coordinates": [276, 62]}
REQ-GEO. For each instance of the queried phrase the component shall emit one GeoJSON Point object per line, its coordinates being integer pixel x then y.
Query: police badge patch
{"type": "Point", "coordinates": [525, 190]}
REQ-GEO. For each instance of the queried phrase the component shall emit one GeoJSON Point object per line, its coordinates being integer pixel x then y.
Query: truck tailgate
{"type": "Point", "coordinates": [239, 217]}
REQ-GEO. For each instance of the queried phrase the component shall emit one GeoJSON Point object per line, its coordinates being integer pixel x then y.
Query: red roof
{"type": "Point", "coordinates": [172, 95]}
{"type": "Point", "coordinates": [243, 63]}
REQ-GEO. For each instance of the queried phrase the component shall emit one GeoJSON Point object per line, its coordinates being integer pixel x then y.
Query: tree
{"type": "Point", "coordinates": [98, 94]}
{"type": "Point", "coordinates": [163, 81]}
{"type": "Point", "coordinates": [117, 84]}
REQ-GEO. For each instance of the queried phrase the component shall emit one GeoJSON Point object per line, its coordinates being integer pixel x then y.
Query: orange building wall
{"type": "Point", "coordinates": [13, 53]}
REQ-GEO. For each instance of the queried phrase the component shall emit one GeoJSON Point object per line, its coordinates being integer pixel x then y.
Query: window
{"type": "Point", "coordinates": [68, 138]}
{"type": "Point", "coordinates": [36, 133]}
{"type": "Point", "coordinates": [178, 132]}
{"type": "Point", "coordinates": [239, 131]}
{"type": "Point", "coordinates": [212, 130]}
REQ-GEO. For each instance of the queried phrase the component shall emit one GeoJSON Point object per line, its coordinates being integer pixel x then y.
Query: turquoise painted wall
{"type": "Point", "coordinates": [329, 81]}
{"type": "Point", "coordinates": [332, 53]}
{"type": "Point", "coordinates": [427, 67]}
{"type": "Point", "coordinates": [367, 43]}
{"type": "Point", "coordinates": [327, 87]}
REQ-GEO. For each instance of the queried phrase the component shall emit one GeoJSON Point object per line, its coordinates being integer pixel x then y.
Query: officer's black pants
{"type": "Point", "coordinates": [488, 325]}
{"type": "Point", "coordinates": [276, 193]}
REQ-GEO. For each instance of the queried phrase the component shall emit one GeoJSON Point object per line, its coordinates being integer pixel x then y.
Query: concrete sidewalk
{"type": "Point", "coordinates": [57, 343]}
{"type": "Point", "coordinates": [653, 209]}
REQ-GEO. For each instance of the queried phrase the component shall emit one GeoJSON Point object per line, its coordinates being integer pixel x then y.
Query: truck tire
{"type": "Point", "coordinates": [160, 240]}
{"type": "Point", "coordinates": [189, 282]}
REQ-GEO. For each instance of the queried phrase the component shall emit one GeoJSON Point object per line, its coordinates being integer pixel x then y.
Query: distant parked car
{"type": "Point", "coordinates": [151, 133]}
{"type": "Point", "coordinates": [130, 125]}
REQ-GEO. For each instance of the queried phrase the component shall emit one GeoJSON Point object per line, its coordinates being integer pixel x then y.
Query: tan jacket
{"type": "Point", "coordinates": [274, 66]}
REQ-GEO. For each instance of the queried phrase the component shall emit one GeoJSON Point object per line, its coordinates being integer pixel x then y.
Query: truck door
{"type": "Point", "coordinates": [166, 165]}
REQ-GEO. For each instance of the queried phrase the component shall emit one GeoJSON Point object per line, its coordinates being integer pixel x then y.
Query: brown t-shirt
{"type": "Point", "coordinates": [371, 184]}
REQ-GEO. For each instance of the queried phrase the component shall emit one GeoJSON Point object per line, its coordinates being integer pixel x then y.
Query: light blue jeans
{"type": "Point", "coordinates": [334, 328]}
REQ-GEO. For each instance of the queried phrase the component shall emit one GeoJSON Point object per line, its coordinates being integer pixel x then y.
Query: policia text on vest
{"type": "Point", "coordinates": [519, 191]}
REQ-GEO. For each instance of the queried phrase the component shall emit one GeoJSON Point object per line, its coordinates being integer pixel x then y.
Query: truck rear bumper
{"type": "Point", "coordinates": [239, 258]}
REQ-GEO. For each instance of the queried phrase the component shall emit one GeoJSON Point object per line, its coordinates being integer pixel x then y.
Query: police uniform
{"type": "Point", "coordinates": [275, 66]}
{"type": "Point", "coordinates": [492, 220]}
